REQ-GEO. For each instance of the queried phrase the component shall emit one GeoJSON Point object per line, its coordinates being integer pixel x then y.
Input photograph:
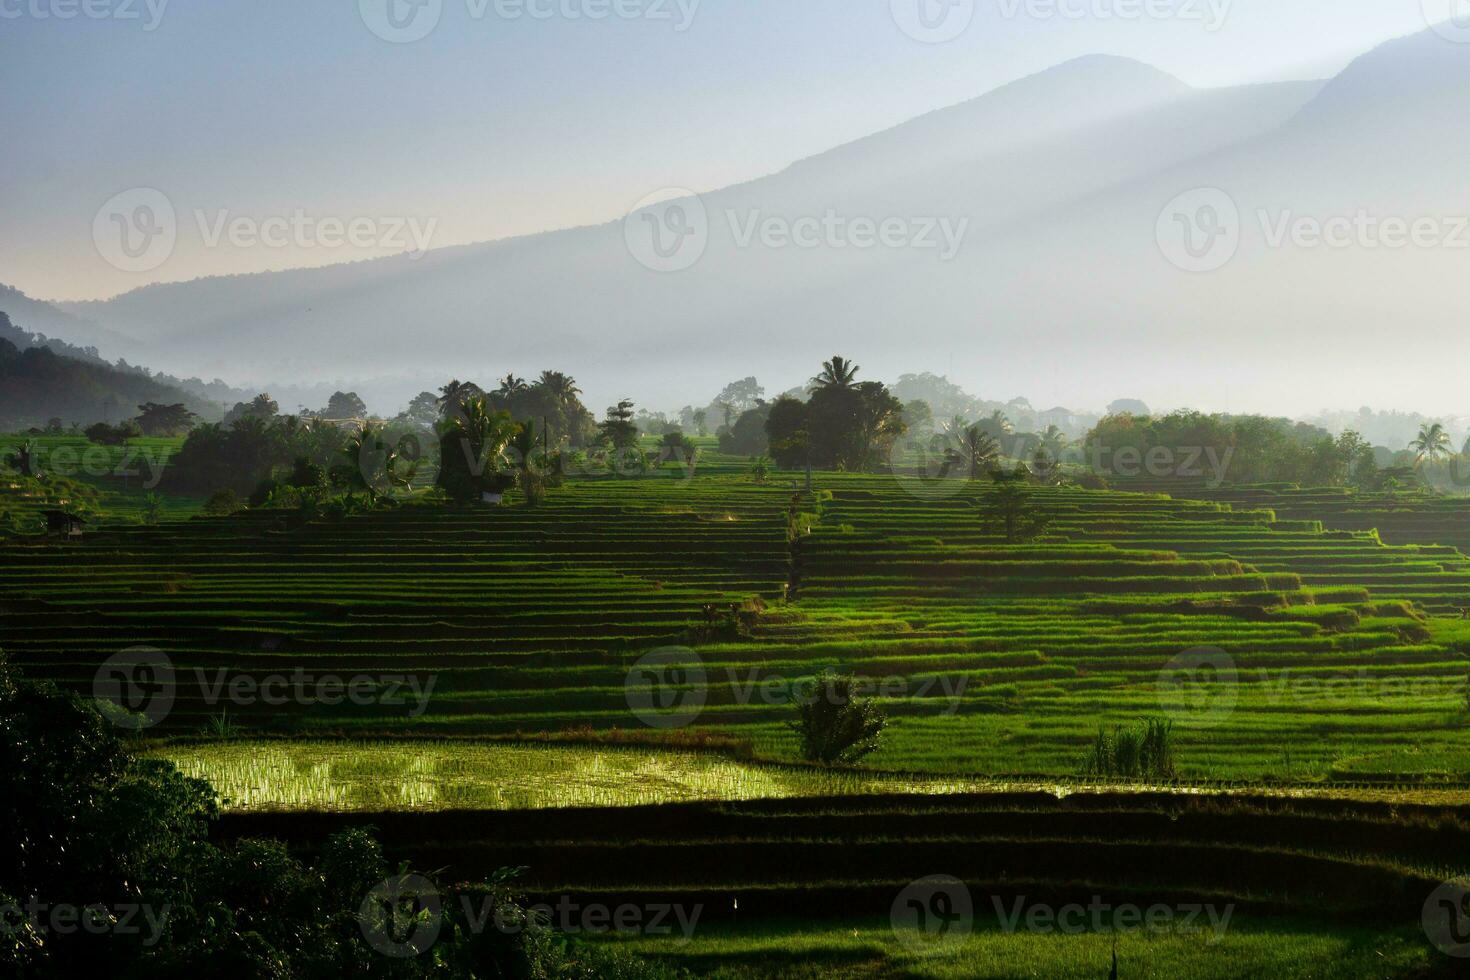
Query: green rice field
{"type": "Point", "coordinates": [1346, 657]}
{"type": "Point", "coordinates": [506, 715]}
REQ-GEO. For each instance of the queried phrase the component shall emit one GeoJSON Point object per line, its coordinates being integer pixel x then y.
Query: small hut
{"type": "Point", "coordinates": [63, 524]}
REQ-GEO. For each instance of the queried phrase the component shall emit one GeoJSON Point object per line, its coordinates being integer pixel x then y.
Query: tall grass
{"type": "Point", "coordinates": [1145, 752]}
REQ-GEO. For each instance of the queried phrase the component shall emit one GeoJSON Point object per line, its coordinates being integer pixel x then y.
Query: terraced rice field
{"type": "Point", "coordinates": [993, 659]}
{"type": "Point", "coordinates": [816, 887]}
{"type": "Point", "coordinates": [116, 480]}
{"type": "Point", "coordinates": [866, 949]}
{"type": "Point", "coordinates": [1402, 518]}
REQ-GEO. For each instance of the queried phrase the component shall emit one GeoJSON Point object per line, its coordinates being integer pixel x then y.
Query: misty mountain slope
{"type": "Point", "coordinates": [1089, 287]}
{"type": "Point", "coordinates": [578, 296]}
{"type": "Point", "coordinates": [45, 318]}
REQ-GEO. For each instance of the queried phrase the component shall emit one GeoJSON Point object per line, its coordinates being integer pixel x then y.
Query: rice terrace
{"type": "Point", "coordinates": [1027, 536]}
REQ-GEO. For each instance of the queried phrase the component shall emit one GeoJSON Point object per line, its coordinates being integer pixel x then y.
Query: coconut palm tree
{"type": "Point", "coordinates": [561, 388]}
{"type": "Point", "coordinates": [455, 394]}
{"type": "Point", "coordinates": [1432, 445]}
{"type": "Point", "coordinates": [975, 452]}
{"type": "Point", "coordinates": [511, 385]}
{"type": "Point", "coordinates": [529, 465]}
{"type": "Point", "coordinates": [373, 463]}
{"type": "Point", "coordinates": [472, 444]}
{"type": "Point", "coordinates": [1053, 441]}
{"type": "Point", "coordinates": [836, 373]}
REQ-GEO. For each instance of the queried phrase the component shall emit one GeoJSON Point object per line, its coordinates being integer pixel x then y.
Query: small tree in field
{"type": "Point", "coordinates": [1010, 510]}
{"type": "Point", "coordinates": [836, 725]}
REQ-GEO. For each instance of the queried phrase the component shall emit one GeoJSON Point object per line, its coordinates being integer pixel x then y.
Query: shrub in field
{"type": "Point", "coordinates": [1147, 751]}
{"type": "Point", "coordinates": [113, 435]}
{"type": "Point", "coordinates": [307, 475]}
{"type": "Point", "coordinates": [837, 726]}
{"type": "Point", "coordinates": [676, 446]}
{"type": "Point", "coordinates": [1011, 511]}
{"type": "Point", "coordinates": [264, 491]}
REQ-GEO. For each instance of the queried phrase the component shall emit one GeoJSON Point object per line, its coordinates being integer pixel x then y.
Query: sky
{"type": "Point", "coordinates": [284, 133]}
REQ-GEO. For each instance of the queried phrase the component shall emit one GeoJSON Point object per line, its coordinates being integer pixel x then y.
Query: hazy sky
{"type": "Point", "coordinates": [500, 122]}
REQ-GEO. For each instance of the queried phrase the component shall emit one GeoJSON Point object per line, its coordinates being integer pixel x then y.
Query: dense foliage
{"type": "Point", "coordinates": [37, 384]}
{"type": "Point", "coordinates": [110, 871]}
{"type": "Point", "coordinates": [845, 424]}
{"type": "Point", "coordinates": [244, 455]}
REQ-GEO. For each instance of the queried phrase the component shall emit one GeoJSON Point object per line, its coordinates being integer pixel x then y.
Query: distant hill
{"type": "Point", "coordinates": [1003, 162]}
{"type": "Point", "coordinates": [21, 307]}
{"type": "Point", "coordinates": [83, 337]}
{"type": "Point", "coordinates": [37, 384]}
{"type": "Point", "coordinates": [1073, 281]}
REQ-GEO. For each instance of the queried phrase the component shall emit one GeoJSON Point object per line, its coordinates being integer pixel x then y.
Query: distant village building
{"type": "Point", "coordinates": [63, 524]}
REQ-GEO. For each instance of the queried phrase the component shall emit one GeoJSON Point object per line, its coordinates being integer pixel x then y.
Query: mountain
{"type": "Point", "coordinates": [1051, 190]}
{"type": "Point", "coordinates": [37, 385]}
{"type": "Point", "coordinates": [65, 333]}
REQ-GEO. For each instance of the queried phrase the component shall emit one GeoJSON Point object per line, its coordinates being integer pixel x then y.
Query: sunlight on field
{"type": "Point", "coordinates": [439, 776]}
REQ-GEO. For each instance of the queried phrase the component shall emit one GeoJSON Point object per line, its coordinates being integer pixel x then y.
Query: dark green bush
{"type": "Point", "coordinates": [836, 725]}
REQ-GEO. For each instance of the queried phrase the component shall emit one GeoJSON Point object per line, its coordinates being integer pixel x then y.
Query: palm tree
{"type": "Point", "coordinates": [1053, 440]}
{"type": "Point", "coordinates": [372, 463]}
{"type": "Point", "coordinates": [511, 385]}
{"type": "Point", "coordinates": [976, 452]}
{"type": "Point", "coordinates": [455, 394]}
{"type": "Point", "coordinates": [1433, 444]}
{"type": "Point", "coordinates": [836, 373]}
{"type": "Point", "coordinates": [472, 444]}
{"type": "Point", "coordinates": [560, 387]}
{"type": "Point", "coordinates": [528, 464]}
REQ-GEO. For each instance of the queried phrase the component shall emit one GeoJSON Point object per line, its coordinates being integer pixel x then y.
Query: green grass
{"type": "Point", "coordinates": [866, 949]}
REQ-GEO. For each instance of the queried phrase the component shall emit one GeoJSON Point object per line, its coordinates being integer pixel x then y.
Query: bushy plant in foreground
{"type": "Point", "coordinates": [103, 834]}
{"type": "Point", "coordinates": [836, 725]}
